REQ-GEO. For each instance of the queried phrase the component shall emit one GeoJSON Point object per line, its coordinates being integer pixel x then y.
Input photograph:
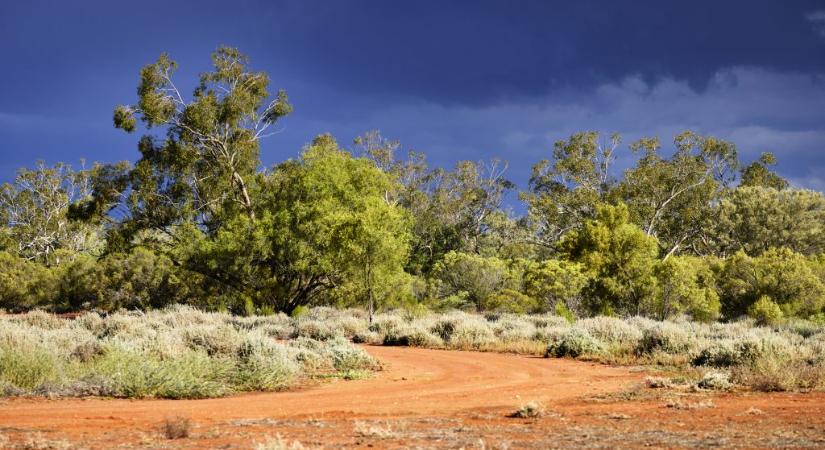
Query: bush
{"type": "Point", "coordinates": [686, 286]}
{"type": "Point", "coordinates": [463, 331]}
{"type": "Point", "coordinates": [788, 279]}
{"type": "Point", "coordinates": [666, 337]}
{"type": "Point", "coordinates": [765, 311]}
{"type": "Point", "coordinates": [25, 284]}
{"type": "Point", "coordinates": [715, 381]}
{"type": "Point", "coordinates": [574, 343]}
{"type": "Point", "coordinates": [476, 276]}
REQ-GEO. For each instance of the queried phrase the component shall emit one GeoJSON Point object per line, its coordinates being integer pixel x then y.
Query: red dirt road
{"type": "Point", "coordinates": [437, 399]}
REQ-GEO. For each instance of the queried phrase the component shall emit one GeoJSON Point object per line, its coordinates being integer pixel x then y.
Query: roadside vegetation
{"type": "Point", "coordinates": [177, 353]}
{"type": "Point", "coordinates": [185, 353]}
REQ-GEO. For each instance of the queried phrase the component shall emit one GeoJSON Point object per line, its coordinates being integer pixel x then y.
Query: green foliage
{"type": "Point", "coordinates": [765, 311]}
{"type": "Point", "coordinates": [205, 169]}
{"type": "Point", "coordinates": [512, 301]}
{"type": "Point", "coordinates": [758, 174]}
{"type": "Point", "coordinates": [565, 193]}
{"type": "Point", "coordinates": [198, 220]}
{"type": "Point", "coordinates": [620, 260]}
{"type": "Point", "coordinates": [755, 218]}
{"type": "Point", "coordinates": [324, 223]}
{"type": "Point", "coordinates": [34, 213]}
{"type": "Point", "coordinates": [554, 282]}
{"type": "Point", "coordinates": [787, 278]}
{"type": "Point", "coordinates": [25, 284]}
{"type": "Point", "coordinates": [475, 276]}
{"type": "Point", "coordinates": [138, 280]}
{"type": "Point", "coordinates": [562, 310]}
{"type": "Point", "coordinates": [669, 198]}
{"type": "Point", "coordinates": [686, 286]}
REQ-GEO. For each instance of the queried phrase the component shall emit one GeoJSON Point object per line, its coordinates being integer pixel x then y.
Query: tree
{"type": "Point", "coordinates": [565, 193]}
{"type": "Point", "coordinates": [554, 282]}
{"type": "Point", "coordinates": [35, 210]}
{"type": "Point", "coordinates": [454, 210]}
{"type": "Point", "coordinates": [25, 284]}
{"type": "Point", "coordinates": [619, 259]}
{"type": "Point", "coordinates": [323, 223]}
{"type": "Point", "coordinates": [475, 277]}
{"type": "Point", "coordinates": [788, 279]}
{"type": "Point", "coordinates": [686, 286]}
{"type": "Point", "coordinates": [758, 174]}
{"type": "Point", "coordinates": [206, 168]}
{"type": "Point", "coordinates": [670, 199]}
{"type": "Point", "coordinates": [755, 218]}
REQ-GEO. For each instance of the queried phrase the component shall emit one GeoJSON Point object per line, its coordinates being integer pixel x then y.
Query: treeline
{"type": "Point", "coordinates": [197, 220]}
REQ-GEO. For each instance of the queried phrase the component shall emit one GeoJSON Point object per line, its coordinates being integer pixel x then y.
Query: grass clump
{"type": "Point", "coordinates": [529, 410]}
{"type": "Point", "coordinates": [279, 443]}
{"type": "Point", "coordinates": [176, 427]}
{"type": "Point", "coordinates": [717, 381]}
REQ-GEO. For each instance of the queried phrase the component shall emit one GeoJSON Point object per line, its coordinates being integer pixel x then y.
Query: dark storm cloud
{"type": "Point", "coordinates": [478, 52]}
{"type": "Point", "coordinates": [470, 79]}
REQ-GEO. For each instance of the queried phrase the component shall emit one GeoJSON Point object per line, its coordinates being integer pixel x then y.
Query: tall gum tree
{"type": "Point", "coordinates": [206, 167]}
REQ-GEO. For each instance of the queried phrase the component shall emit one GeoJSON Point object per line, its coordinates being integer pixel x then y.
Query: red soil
{"type": "Point", "coordinates": [440, 399]}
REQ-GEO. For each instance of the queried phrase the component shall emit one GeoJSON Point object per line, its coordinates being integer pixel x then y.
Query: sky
{"type": "Point", "coordinates": [454, 79]}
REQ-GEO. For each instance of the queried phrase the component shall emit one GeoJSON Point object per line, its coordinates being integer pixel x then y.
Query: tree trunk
{"type": "Point", "coordinates": [247, 202]}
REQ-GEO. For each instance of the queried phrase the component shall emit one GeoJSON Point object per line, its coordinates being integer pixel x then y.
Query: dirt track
{"type": "Point", "coordinates": [431, 398]}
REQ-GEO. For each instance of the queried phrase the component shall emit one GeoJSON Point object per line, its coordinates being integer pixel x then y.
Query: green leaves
{"type": "Point", "coordinates": [323, 224]}
{"type": "Point", "coordinates": [205, 170]}
{"type": "Point", "coordinates": [619, 258]}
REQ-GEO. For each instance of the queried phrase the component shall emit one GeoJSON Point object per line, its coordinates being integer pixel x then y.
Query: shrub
{"type": "Point", "coordinates": [314, 329]}
{"type": "Point", "coordinates": [176, 427]}
{"type": "Point", "coordinates": [514, 328]}
{"type": "Point", "coordinates": [29, 366]}
{"type": "Point", "coordinates": [25, 284]}
{"type": "Point", "coordinates": [715, 381]}
{"type": "Point", "coordinates": [789, 279]}
{"type": "Point", "coordinates": [686, 285]}
{"type": "Point", "coordinates": [477, 276]}
{"type": "Point", "coordinates": [463, 331]}
{"type": "Point", "coordinates": [347, 358]}
{"type": "Point", "coordinates": [612, 330]}
{"type": "Point", "coordinates": [765, 311]}
{"type": "Point", "coordinates": [666, 337]}
{"type": "Point", "coordinates": [509, 300]}
{"type": "Point", "coordinates": [264, 365]}
{"type": "Point", "coordinates": [529, 410]}
{"type": "Point", "coordinates": [176, 353]}
{"type": "Point", "coordinates": [574, 343]}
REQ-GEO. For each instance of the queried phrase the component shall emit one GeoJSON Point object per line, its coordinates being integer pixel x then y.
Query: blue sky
{"type": "Point", "coordinates": [455, 79]}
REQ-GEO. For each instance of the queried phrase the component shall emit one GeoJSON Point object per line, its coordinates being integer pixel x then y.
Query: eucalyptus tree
{"type": "Point", "coordinates": [35, 211]}
{"type": "Point", "coordinates": [207, 166]}
{"type": "Point", "coordinates": [454, 210]}
{"type": "Point", "coordinates": [566, 191]}
{"type": "Point", "coordinates": [671, 198]}
{"type": "Point", "coordinates": [755, 218]}
{"type": "Point", "coordinates": [758, 173]}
